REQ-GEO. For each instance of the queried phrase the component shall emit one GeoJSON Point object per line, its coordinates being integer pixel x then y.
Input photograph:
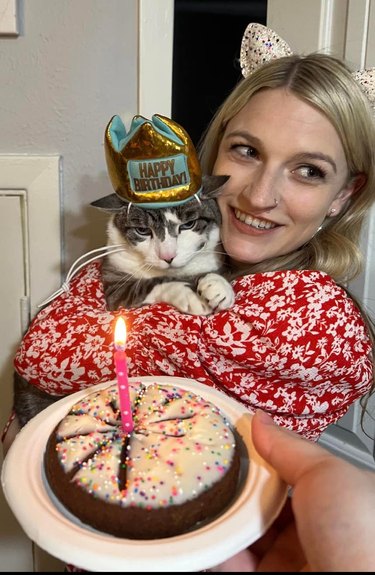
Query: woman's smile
{"type": "Point", "coordinates": [253, 222]}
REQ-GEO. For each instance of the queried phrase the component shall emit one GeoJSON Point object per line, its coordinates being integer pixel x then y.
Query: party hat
{"type": "Point", "coordinates": [153, 165]}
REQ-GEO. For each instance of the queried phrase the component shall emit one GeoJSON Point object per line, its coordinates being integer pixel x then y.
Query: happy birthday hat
{"type": "Point", "coordinates": [154, 165]}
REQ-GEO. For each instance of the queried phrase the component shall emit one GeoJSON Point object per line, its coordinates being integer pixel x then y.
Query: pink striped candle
{"type": "Point", "coordinates": [121, 367]}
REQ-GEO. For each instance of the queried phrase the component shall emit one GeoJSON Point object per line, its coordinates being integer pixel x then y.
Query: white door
{"type": "Point", "coordinates": [30, 271]}
{"type": "Point", "coordinates": [15, 547]}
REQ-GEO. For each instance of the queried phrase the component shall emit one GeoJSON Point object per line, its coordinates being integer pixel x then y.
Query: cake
{"type": "Point", "coordinates": [178, 470]}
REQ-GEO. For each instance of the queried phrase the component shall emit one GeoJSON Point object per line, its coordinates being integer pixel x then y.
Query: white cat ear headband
{"type": "Point", "coordinates": [261, 44]}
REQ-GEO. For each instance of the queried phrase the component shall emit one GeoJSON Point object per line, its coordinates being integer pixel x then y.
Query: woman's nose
{"type": "Point", "coordinates": [262, 192]}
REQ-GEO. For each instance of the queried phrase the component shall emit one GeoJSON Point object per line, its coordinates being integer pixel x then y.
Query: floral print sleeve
{"type": "Point", "coordinates": [293, 344]}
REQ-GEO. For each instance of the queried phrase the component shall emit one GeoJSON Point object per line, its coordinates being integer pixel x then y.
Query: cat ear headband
{"type": "Point", "coordinates": [154, 165]}
{"type": "Point", "coordinates": [261, 44]}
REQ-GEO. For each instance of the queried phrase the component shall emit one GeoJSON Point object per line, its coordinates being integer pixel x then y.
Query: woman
{"type": "Point", "coordinates": [296, 138]}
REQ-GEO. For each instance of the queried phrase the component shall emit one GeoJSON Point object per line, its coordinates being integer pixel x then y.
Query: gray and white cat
{"type": "Point", "coordinates": [170, 255]}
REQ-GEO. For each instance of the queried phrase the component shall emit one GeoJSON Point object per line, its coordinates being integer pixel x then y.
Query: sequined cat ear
{"type": "Point", "coordinates": [260, 45]}
{"type": "Point", "coordinates": [366, 79]}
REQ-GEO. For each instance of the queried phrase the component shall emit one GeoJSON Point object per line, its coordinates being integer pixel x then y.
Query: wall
{"type": "Point", "coordinates": [72, 67]}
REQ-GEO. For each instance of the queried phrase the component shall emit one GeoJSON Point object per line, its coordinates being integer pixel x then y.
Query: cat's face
{"type": "Point", "coordinates": [163, 241]}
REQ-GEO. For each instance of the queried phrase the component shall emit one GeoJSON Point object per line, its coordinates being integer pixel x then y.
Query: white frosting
{"type": "Point", "coordinates": [181, 445]}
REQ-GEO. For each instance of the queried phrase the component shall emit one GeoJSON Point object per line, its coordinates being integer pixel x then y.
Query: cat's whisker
{"type": "Point", "coordinates": [74, 269]}
{"type": "Point", "coordinates": [100, 253]}
{"type": "Point", "coordinates": [121, 284]}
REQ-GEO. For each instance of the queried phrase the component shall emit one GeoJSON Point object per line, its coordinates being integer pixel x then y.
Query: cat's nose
{"type": "Point", "coordinates": [168, 260]}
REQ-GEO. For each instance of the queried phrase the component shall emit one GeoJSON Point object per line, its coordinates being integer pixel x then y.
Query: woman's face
{"type": "Point", "coordinates": [287, 171]}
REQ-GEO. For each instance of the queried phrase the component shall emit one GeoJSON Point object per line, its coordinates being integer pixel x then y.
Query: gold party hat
{"type": "Point", "coordinates": [154, 165]}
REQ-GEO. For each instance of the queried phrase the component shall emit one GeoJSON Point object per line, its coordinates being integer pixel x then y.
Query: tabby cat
{"type": "Point", "coordinates": [170, 255]}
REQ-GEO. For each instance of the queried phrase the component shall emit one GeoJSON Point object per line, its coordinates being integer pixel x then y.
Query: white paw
{"type": "Point", "coordinates": [180, 296]}
{"type": "Point", "coordinates": [216, 291]}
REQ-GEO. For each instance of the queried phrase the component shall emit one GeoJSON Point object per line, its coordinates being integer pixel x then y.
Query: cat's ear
{"type": "Point", "coordinates": [211, 186]}
{"type": "Point", "coordinates": [111, 203]}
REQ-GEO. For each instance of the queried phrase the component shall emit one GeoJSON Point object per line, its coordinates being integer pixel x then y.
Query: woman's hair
{"type": "Point", "coordinates": [327, 84]}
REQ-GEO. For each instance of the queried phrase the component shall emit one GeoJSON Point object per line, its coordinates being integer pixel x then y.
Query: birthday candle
{"type": "Point", "coordinates": [122, 376]}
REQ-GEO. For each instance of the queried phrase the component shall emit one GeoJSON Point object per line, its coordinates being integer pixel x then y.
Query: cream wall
{"type": "Point", "coordinates": [344, 28]}
{"type": "Point", "coordinates": [309, 25]}
{"type": "Point", "coordinates": [74, 65]}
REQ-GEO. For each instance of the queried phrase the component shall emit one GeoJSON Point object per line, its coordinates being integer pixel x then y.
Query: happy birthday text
{"type": "Point", "coordinates": [155, 175]}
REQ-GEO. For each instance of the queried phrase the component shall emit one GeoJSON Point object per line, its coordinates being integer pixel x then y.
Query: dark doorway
{"type": "Point", "coordinates": [207, 41]}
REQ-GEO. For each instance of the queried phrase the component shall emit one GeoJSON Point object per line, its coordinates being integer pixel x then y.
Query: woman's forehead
{"type": "Point", "coordinates": [279, 104]}
{"type": "Point", "coordinates": [281, 116]}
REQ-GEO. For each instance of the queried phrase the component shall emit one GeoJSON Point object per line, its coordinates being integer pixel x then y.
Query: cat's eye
{"type": "Point", "coordinates": [188, 225]}
{"type": "Point", "coordinates": [143, 231]}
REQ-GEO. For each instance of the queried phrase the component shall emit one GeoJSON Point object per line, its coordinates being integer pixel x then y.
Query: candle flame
{"type": "Point", "coordinates": [120, 333]}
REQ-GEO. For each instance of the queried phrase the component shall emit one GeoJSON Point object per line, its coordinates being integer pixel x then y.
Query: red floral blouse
{"type": "Point", "coordinates": [293, 344]}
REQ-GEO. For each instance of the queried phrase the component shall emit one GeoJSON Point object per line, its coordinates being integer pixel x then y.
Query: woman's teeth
{"type": "Point", "coordinates": [253, 222]}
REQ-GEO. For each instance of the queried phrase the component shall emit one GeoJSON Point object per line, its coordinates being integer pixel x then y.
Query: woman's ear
{"type": "Point", "coordinates": [342, 198]}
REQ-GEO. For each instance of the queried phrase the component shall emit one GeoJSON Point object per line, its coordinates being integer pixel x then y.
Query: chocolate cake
{"type": "Point", "coordinates": [178, 470]}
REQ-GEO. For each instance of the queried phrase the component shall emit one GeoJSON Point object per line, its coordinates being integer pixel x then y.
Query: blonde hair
{"type": "Point", "coordinates": [327, 84]}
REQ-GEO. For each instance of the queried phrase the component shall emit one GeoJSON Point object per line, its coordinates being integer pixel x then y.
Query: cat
{"type": "Point", "coordinates": [170, 255]}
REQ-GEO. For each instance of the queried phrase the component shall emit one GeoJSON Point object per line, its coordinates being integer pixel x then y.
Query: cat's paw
{"type": "Point", "coordinates": [181, 296]}
{"type": "Point", "coordinates": [216, 291]}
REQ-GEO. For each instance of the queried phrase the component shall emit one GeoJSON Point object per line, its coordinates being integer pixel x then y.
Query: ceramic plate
{"type": "Point", "coordinates": [261, 495]}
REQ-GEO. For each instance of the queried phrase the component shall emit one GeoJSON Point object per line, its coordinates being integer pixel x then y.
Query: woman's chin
{"type": "Point", "coordinates": [244, 254]}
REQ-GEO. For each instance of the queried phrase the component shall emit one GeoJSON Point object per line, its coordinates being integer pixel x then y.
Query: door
{"type": "Point", "coordinates": [29, 213]}
{"type": "Point", "coordinates": [15, 547]}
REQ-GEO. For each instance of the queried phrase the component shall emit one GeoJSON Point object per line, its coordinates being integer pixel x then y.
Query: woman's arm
{"type": "Point", "coordinates": [293, 344]}
{"type": "Point", "coordinates": [68, 345]}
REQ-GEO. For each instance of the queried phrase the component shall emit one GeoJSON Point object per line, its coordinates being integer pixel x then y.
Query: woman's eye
{"type": "Point", "coordinates": [311, 172]}
{"type": "Point", "coordinates": [245, 151]}
{"type": "Point", "coordinates": [188, 225]}
{"type": "Point", "coordinates": [143, 231]}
